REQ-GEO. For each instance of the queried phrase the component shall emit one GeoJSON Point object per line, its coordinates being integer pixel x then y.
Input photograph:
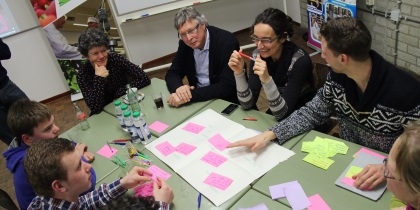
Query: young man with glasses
{"type": "Point", "coordinates": [202, 57]}
{"type": "Point", "coordinates": [105, 76]}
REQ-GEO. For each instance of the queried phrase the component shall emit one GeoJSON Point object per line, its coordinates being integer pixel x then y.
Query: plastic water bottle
{"type": "Point", "coordinates": [119, 114]}
{"type": "Point", "coordinates": [130, 127]}
{"type": "Point", "coordinates": [81, 116]}
{"type": "Point", "coordinates": [141, 127]}
{"type": "Point", "coordinates": [132, 99]}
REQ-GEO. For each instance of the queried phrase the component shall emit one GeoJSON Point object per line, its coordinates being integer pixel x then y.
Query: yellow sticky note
{"type": "Point", "coordinates": [307, 146]}
{"type": "Point", "coordinates": [323, 163]}
{"type": "Point", "coordinates": [320, 149]}
{"type": "Point", "coordinates": [353, 170]}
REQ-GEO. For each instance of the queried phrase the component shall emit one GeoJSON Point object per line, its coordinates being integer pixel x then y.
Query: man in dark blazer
{"type": "Point", "coordinates": [202, 56]}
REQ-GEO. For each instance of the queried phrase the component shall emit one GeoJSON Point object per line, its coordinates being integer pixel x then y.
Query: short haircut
{"type": "Point", "coordinates": [43, 164]}
{"type": "Point", "coordinates": [407, 157]}
{"type": "Point", "coordinates": [24, 115]}
{"type": "Point", "coordinates": [277, 20]}
{"type": "Point", "coordinates": [92, 37]}
{"type": "Point", "coordinates": [347, 36]}
{"type": "Point", "coordinates": [129, 202]}
{"type": "Point", "coordinates": [188, 13]}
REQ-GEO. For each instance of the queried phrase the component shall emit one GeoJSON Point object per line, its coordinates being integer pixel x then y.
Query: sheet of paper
{"type": "Point", "coordinates": [353, 170]}
{"type": "Point", "coordinates": [219, 142]}
{"type": "Point", "coordinates": [260, 206]}
{"type": "Point", "coordinates": [323, 163]}
{"type": "Point", "coordinates": [158, 172]}
{"type": "Point", "coordinates": [185, 148]}
{"type": "Point", "coordinates": [296, 196]}
{"type": "Point", "coordinates": [214, 159]}
{"type": "Point", "coordinates": [158, 126]}
{"type": "Point", "coordinates": [277, 191]}
{"type": "Point", "coordinates": [193, 128]}
{"type": "Point", "coordinates": [165, 148]}
{"type": "Point", "coordinates": [317, 203]}
{"type": "Point", "coordinates": [218, 181]}
{"type": "Point", "coordinates": [370, 152]}
{"type": "Point", "coordinates": [106, 152]}
{"type": "Point", "coordinates": [347, 181]}
{"type": "Point", "coordinates": [144, 190]}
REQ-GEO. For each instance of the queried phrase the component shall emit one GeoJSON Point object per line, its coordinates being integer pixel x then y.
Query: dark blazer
{"type": "Point", "coordinates": [222, 82]}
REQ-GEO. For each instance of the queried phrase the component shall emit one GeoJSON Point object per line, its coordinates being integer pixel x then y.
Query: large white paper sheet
{"type": "Point", "coordinates": [239, 165]}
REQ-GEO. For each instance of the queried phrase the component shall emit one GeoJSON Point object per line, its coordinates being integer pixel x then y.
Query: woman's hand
{"type": "Point", "coordinates": [101, 71]}
{"type": "Point", "coordinates": [236, 63]}
{"type": "Point", "coordinates": [260, 69]}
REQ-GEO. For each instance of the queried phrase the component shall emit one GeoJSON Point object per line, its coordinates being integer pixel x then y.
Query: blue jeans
{"type": "Point", "coordinates": [8, 95]}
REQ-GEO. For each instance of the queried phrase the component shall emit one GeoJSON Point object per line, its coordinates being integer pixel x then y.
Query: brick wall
{"type": "Point", "coordinates": [383, 31]}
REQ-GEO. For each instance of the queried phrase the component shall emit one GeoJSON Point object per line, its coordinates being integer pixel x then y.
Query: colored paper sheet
{"type": "Point", "coordinates": [260, 206]}
{"type": "Point", "coordinates": [307, 146]}
{"type": "Point", "coordinates": [353, 170]}
{"type": "Point", "coordinates": [277, 191]}
{"type": "Point", "coordinates": [193, 128]}
{"type": "Point", "coordinates": [317, 203]}
{"type": "Point", "coordinates": [165, 148]}
{"type": "Point", "coordinates": [214, 159]}
{"type": "Point", "coordinates": [185, 148]}
{"type": "Point", "coordinates": [218, 181]}
{"type": "Point", "coordinates": [347, 181]}
{"type": "Point", "coordinates": [158, 126]}
{"type": "Point", "coordinates": [219, 142]}
{"type": "Point", "coordinates": [296, 196]}
{"type": "Point", "coordinates": [323, 163]}
{"type": "Point", "coordinates": [158, 172]}
{"type": "Point", "coordinates": [144, 190]}
{"type": "Point", "coordinates": [106, 152]}
{"type": "Point", "coordinates": [320, 149]}
{"type": "Point", "coordinates": [372, 153]}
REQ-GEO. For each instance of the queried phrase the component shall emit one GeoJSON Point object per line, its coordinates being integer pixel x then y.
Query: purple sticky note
{"type": "Point", "coordinates": [260, 206]}
{"type": "Point", "coordinates": [219, 142]}
{"type": "Point", "coordinates": [106, 152]}
{"type": "Point", "coordinates": [277, 191]}
{"type": "Point", "coordinates": [317, 203]}
{"type": "Point", "coordinates": [185, 148]}
{"type": "Point", "coordinates": [144, 190]}
{"type": "Point", "coordinates": [158, 172]}
{"type": "Point", "coordinates": [165, 148]}
{"type": "Point", "coordinates": [158, 126]}
{"type": "Point", "coordinates": [296, 196]}
{"type": "Point", "coordinates": [347, 181]}
{"type": "Point", "coordinates": [193, 128]}
{"type": "Point", "coordinates": [213, 159]}
{"type": "Point", "coordinates": [218, 181]}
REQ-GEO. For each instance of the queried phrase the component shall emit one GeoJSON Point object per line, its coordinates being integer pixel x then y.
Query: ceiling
{"type": "Point", "coordinates": [82, 12]}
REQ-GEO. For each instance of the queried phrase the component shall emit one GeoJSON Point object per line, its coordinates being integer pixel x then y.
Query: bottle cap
{"type": "Point", "coordinates": [81, 116]}
{"type": "Point", "coordinates": [117, 102]}
{"type": "Point", "coordinates": [127, 113]}
{"type": "Point", "coordinates": [124, 107]}
{"type": "Point", "coordinates": [136, 114]}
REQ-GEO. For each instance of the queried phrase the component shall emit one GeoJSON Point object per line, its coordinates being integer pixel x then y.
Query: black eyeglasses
{"type": "Point", "coordinates": [190, 32]}
{"type": "Point", "coordinates": [386, 171]}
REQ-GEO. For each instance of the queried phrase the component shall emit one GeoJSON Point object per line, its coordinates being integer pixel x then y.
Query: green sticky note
{"type": "Point", "coordinates": [323, 163]}
{"type": "Point", "coordinates": [353, 170]}
{"type": "Point", "coordinates": [307, 146]}
{"type": "Point", "coordinates": [320, 149]}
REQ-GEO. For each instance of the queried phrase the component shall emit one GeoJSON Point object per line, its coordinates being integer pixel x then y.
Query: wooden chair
{"type": "Point", "coordinates": [6, 201]}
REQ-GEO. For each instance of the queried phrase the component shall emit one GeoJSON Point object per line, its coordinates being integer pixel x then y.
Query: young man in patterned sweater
{"type": "Point", "coordinates": [372, 99]}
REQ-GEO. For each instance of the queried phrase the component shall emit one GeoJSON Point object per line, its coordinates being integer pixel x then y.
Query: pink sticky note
{"type": "Point", "coordinates": [218, 181]}
{"type": "Point", "coordinates": [185, 148]}
{"type": "Point", "coordinates": [158, 126]}
{"type": "Point", "coordinates": [347, 181]}
{"type": "Point", "coordinates": [106, 152]}
{"type": "Point", "coordinates": [213, 159]}
{"type": "Point", "coordinates": [193, 128]}
{"type": "Point", "coordinates": [165, 148]}
{"type": "Point", "coordinates": [219, 142]}
{"type": "Point", "coordinates": [158, 172]}
{"type": "Point", "coordinates": [317, 203]}
{"type": "Point", "coordinates": [144, 190]}
{"type": "Point", "coordinates": [370, 152]}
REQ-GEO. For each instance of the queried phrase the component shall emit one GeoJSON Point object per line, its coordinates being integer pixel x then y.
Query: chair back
{"type": "Point", "coordinates": [6, 201]}
{"type": "Point", "coordinates": [320, 73]}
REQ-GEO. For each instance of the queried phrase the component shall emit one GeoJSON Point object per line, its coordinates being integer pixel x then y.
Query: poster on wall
{"type": "Point", "coordinates": [324, 10]}
{"type": "Point", "coordinates": [48, 11]}
{"type": "Point", "coordinates": [70, 70]}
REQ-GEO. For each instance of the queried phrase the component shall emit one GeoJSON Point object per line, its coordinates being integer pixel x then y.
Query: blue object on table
{"type": "Point", "coordinates": [199, 201]}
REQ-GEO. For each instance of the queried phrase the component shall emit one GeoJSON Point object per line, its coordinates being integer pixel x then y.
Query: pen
{"type": "Point", "coordinates": [250, 118]}
{"type": "Point", "coordinates": [121, 140]}
{"type": "Point", "coordinates": [110, 148]}
{"type": "Point", "coordinates": [246, 56]}
{"type": "Point", "coordinates": [199, 201]}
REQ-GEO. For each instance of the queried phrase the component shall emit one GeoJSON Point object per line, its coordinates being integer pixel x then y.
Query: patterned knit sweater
{"type": "Point", "coordinates": [373, 119]}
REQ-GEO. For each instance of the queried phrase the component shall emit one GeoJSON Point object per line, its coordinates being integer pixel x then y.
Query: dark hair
{"type": "Point", "coordinates": [278, 21]}
{"type": "Point", "coordinates": [92, 37]}
{"type": "Point", "coordinates": [43, 164]}
{"type": "Point", "coordinates": [129, 202]}
{"type": "Point", "coordinates": [24, 115]}
{"type": "Point", "coordinates": [347, 36]}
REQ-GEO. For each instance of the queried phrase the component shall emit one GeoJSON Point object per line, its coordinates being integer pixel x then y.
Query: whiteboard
{"type": "Point", "coordinates": [16, 17]}
{"type": "Point", "coordinates": [128, 6]}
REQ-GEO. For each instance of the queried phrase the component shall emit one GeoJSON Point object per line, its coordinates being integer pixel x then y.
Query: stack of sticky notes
{"type": "Point", "coordinates": [321, 150]}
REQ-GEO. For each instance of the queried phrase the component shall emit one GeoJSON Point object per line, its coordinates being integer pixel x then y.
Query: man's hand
{"type": "Point", "coordinates": [80, 148]}
{"type": "Point", "coordinates": [163, 192]}
{"type": "Point", "coordinates": [255, 143]}
{"type": "Point", "coordinates": [260, 69]}
{"type": "Point", "coordinates": [174, 100]}
{"type": "Point", "coordinates": [184, 93]}
{"type": "Point", "coordinates": [236, 63]}
{"type": "Point", "coordinates": [101, 71]}
{"type": "Point", "coordinates": [370, 177]}
{"type": "Point", "coordinates": [88, 156]}
{"type": "Point", "coordinates": [135, 177]}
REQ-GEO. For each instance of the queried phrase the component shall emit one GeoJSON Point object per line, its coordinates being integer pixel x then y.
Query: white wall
{"type": "Point", "coordinates": [293, 10]}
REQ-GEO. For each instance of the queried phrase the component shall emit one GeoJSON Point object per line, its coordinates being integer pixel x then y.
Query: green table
{"type": "Point", "coordinates": [318, 181]}
{"type": "Point", "coordinates": [253, 198]}
{"type": "Point", "coordinates": [264, 121]}
{"type": "Point", "coordinates": [168, 115]}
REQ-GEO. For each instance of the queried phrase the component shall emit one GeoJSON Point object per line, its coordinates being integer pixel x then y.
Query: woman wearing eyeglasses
{"type": "Point", "coordinates": [105, 76]}
{"type": "Point", "coordinates": [402, 168]}
{"type": "Point", "coordinates": [283, 69]}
